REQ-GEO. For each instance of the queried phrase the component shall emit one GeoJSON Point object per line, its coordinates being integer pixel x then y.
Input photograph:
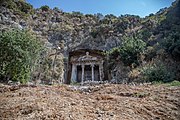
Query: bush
{"type": "Point", "coordinates": [129, 51]}
{"type": "Point", "coordinates": [8, 3]}
{"type": "Point", "coordinates": [44, 8]}
{"type": "Point", "coordinates": [77, 14]}
{"type": "Point", "coordinates": [174, 83]}
{"type": "Point", "coordinates": [172, 44]}
{"type": "Point", "coordinates": [25, 7]}
{"type": "Point", "coordinates": [19, 6]}
{"type": "Point", "coordinates": [94, 33]}
{"type": "Point", "coordinates": [19, 54]}
{"type": "Point", "coordinates": [157, 72]}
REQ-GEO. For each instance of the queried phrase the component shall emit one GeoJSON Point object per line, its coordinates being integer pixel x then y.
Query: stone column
{"type": "Point", "coordinates": [92, 69]}
{"type": "Point", "coordinates": [74, 73]}
{"type": "Point", "coordinates": [82, 77]}
{"type": "Point", "coordinates": [101, 71]}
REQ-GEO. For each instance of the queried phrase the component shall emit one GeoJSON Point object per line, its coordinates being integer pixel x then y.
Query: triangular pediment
{"type": "Point", "coordinates": [85, 58]}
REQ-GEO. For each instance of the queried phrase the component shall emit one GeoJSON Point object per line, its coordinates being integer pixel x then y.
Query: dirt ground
{"type": "Point", "coordinates": [100, 102]}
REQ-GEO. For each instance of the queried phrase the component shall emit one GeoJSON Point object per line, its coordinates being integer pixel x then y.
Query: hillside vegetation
{"type": "Point", "coordinates": [141, 53]}
{"type": "Point", "coordinates": [135, 43]}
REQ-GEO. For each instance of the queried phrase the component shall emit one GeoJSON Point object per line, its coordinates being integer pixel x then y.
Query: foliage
{"type": "Point", "coordinates": [157, 72]}
{"type": "Point", "coordinates": [103, 29]}
{"type": "Point", "coordinates": [44, 8]}
{"type": "Point", "coordinates": [8, 3]}
{"type": "Point", "coordinates": [99, 16]}
{"type": "Point", "coordinates": [19, 54]}
{"type": "Point", "coordinates": [150, 52]}
{"type": "Point", "coordinates": [74, 83]}
{"type": "Point", "coordinates": [172, 44]}
{"type": "Point", "coordinates": [113, 56]}
{"type": "Point", "coordinates": [77, 14]}
{"type": "Point", "coordinates": [24, 7]}
{"type": "Point", "coordinates": [56, 9]}
{"type": "Point", "coordinates": [20, 6]}
{"type": "Point", "coordinates": [94, 33]}
{"type": "Point", "coordinates": [90, 15]}
{"type": "Point", "coordinates": [129, 51]}
{"type": "Point", "coordinates": [174, 83]}
{"type": "Point", "coordinates": [50, 66]}
{"type": "Point", "coordinates": [162, 26]}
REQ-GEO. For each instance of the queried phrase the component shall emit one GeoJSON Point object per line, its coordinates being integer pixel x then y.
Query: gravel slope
{"type": "Point", "coordinates": [101, 102]}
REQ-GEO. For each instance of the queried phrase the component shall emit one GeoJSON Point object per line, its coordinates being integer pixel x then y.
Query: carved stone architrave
{"type": "Point", "coordinates": [85, 59]}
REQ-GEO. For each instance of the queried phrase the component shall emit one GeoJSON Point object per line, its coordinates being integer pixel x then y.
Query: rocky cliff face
{"type": "Point", "coordinates": [77, 31]}
{"type": "Point", "coordinates": [74, 29]}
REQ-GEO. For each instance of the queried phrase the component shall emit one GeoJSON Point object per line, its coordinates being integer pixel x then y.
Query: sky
{"type": "Point", "coordinates": [117, 7]}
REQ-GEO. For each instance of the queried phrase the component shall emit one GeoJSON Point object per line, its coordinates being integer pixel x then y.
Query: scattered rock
{"type": "Point", "coordinates": [104, 101]}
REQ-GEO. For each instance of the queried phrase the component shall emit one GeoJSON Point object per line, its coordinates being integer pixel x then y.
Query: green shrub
{"type": "Point", "coordinates": [174, 83]}
{"type": "Point", "coordinates": [8, 3]}
{"type": "Point", "coordinates": [77, 14]}
{"type": "Point", "coordinates": [19, 7]}
{"type": "Point", "coordinates": [129, 51]}
{"type": "Point", "coordinates": [172, 44]}
{"type": "Point", "coordinates": [19, 54]}
{"type": "Point", "coordinates": [94, 33]}
{"type": "Point", "coordinates": [157, 72]}
{"type": "Point", "coordinates": [56, 9]}
{"type": "Point", "coordinates": [45, 8]}
{"type": "Point", "coordinates": [25, 7]}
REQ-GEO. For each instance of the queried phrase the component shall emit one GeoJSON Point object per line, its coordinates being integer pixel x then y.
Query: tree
{"type": "Point", "coordinates": [172, 44]}
{"type": "Point", "coordinates": [19, 54]}
{"type": "Point", "coordinates": [157, 72]}
{"type": "Point", "coordinates": [129, 51]}
{"type": "Point", "coordinates": [44, 8]}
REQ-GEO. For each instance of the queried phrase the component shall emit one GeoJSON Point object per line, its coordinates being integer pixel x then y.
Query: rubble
{"type": "Point", "coordinates": [98, 102]}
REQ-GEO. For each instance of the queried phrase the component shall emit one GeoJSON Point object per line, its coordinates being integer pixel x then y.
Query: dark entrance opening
{"type": "Point", "coordinates": [96, 73]}
{"type": "Point", "coordinates": [88, 73]}
{"type": "Point", "coordinates": [79, 73]}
